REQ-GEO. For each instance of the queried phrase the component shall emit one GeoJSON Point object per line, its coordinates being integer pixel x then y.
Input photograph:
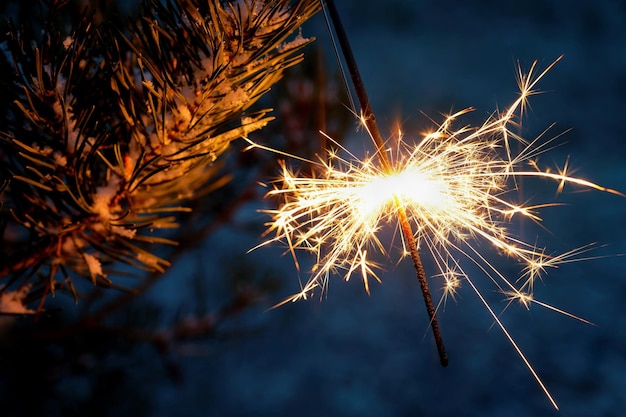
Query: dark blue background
{"type": "Point", "coordinates": [359, 355]}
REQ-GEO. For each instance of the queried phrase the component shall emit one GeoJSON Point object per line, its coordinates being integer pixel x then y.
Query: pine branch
{"type": "Point", "coordinates": [112, 132]}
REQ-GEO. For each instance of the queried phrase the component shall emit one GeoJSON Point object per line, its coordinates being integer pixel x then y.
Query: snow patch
{"type": "Point", "coordinates": [294, 44]}
{"type": "Point", "coordinates": [102, 199]}
{"type": "Point", "coordinates": [94, 266]}
{"type": "Point", "coordinates": [13, 301]}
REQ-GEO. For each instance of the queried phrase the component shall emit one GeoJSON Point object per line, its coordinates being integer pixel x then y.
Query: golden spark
{"type": "Point", "coordinates": [456, 187]}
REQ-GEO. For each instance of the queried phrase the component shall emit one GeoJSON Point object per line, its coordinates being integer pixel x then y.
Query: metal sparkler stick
{"type": "Point", "coordinates": [369, 120]}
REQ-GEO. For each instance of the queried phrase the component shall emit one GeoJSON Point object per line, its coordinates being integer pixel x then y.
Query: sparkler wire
{"type": "Point", "coordinates": [369, 120]}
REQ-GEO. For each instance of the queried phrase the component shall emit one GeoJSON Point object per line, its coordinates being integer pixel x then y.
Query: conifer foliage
{"type": "Point", "coordinates": [108, 132]}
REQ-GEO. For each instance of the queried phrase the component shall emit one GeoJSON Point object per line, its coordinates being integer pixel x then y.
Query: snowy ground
{"type": "Point", "coordinates": [359, 355]}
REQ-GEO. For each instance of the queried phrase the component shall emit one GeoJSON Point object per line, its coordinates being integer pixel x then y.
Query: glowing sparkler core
{"type": "Point", "coordinates": [456, 187]}
{"type": "Point", "coordinates": [452, 185]}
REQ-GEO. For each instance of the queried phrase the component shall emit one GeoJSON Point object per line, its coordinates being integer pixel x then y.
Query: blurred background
{"type": "Point", "coordinates": [202, 340]}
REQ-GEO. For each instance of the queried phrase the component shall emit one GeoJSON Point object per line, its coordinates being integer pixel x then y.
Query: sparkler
{"type": "Point", "coordinates": [446, 192]}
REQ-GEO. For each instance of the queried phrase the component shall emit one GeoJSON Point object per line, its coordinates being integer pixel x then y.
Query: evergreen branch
{"type": "Point", "coordinates": [114, 131]}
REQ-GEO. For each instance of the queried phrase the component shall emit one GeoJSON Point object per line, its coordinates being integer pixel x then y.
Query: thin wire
{"type": "Point", "coordinates": [344, 78]}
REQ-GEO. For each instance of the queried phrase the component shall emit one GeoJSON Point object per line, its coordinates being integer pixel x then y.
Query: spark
{"type": "Point", "coordinates": [456, 186]}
